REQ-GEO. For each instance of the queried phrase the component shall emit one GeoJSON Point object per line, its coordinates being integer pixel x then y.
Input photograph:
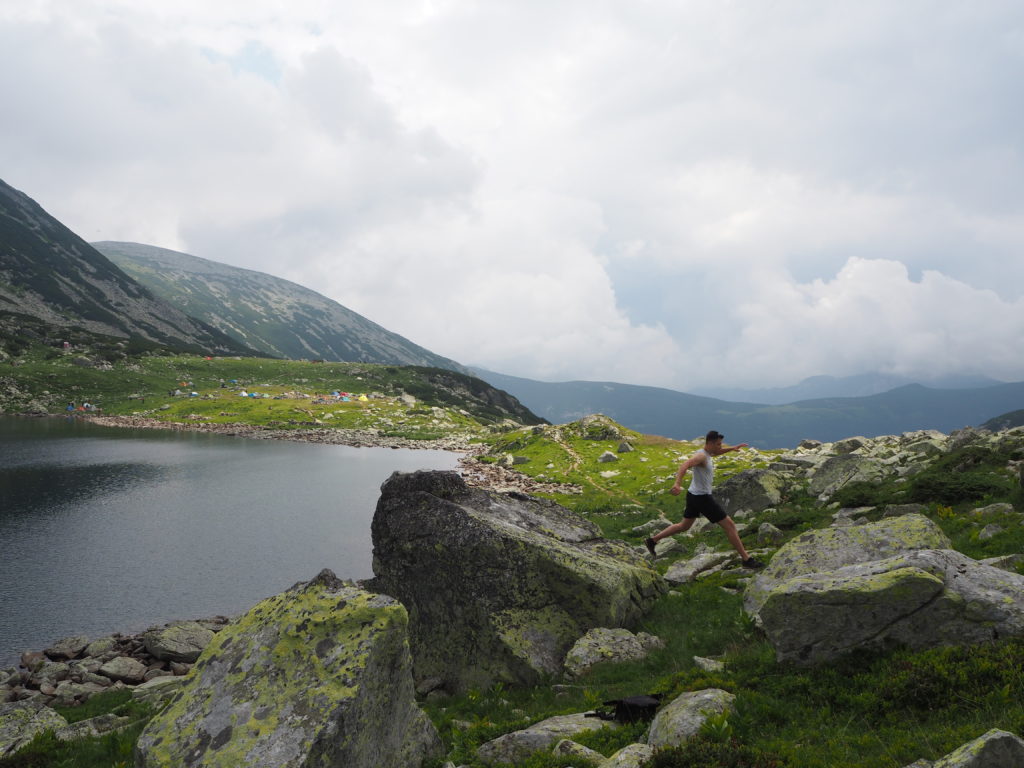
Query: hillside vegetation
{"type": "Point", "coordinates": [278, 394]}
{"type": "Point", "coordinates": [867, 710]}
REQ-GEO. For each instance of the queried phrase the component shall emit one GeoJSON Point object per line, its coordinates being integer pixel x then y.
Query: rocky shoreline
{"type": "Point", "coordinates": [476, 472]}
{"type": "Point", "coordinates": [76, 668]}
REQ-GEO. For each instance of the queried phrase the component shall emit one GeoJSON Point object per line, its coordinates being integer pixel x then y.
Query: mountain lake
{"type": "Point", "coordinates": [109, 530]}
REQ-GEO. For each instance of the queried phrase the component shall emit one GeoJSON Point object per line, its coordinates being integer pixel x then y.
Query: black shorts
{"type": "Point", "coordinates": [703, 504]}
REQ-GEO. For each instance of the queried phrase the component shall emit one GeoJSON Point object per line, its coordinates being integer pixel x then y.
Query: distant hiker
{"type": "Point", "coordinates": [699, 500]}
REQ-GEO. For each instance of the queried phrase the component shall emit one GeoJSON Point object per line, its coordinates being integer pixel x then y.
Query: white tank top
{"type": "Point", "coordinates": [703, 475]}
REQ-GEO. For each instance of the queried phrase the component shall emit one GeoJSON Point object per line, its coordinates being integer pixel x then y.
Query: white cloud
{"type": "Point", "coordinates": [660, 193]}
{"type": "Point", "coordinates": [873, 317]}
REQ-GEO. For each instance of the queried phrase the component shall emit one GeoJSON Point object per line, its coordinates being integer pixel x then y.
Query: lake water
{"type": "Point", "coordinates": [108, 530]}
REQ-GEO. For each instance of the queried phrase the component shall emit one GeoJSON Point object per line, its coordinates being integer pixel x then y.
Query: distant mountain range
{"type": "Point", "coordinates": [54, 284]}
{"type": "Point", "coordinates": [816, 387]}
{"type": "Point", "coordinates": [272, 315]}
{"type": "Point", "coordinates": [683, 416]}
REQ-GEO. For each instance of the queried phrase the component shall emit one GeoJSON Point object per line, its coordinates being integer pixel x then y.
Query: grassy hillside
{"type": "Point", "coordinates": [291, 394]}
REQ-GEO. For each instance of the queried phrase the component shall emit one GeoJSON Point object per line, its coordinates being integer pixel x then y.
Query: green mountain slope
{"type": "Point", "coordinates": [682, 416]}
{"type": "Point", "coordinates": [270, 314]}
{"type": "Point", "coordinates": [53, 283]}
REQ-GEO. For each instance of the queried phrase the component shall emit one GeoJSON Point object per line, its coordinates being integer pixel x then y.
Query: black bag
{"type": "Point", "coordinates": [630, 709]}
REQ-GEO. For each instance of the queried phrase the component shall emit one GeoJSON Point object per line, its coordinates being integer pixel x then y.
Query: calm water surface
{"type": "Point", "coordinates": [111, 530]}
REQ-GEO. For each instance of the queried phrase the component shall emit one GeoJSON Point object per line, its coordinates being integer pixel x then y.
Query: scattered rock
{"type": "Point", "coordinates": [683, 571]}
{"type": "Point", "coordinates": [708, 665]}
{"type": "Point", "coordinates": [769, 536]}
{"type": "Point", "coordinates": [631, 756]}
{"type": "Point", "coordinates": [682, 718]}
{"type": "Point", "coordinates": [68, 648]}
{"type": "Point", "coordinates": [125, 669]}
{"type": "Point", "coordinates": [607, 457]}
{"type": "Point", "coordinates": [603, 645]}
{"type": "Point", "coordinates": [514, 747]}
{"type": "Point", "coordinates": [570, 748]}
{"type": "Point", "coordinates": [993, 510]}
{"type": "Point", "coordinates": [182, 641]}
{"type": "Point", "coordinates": [995, 749]}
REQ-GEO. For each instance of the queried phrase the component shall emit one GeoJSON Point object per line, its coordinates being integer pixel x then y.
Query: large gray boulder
{"type": "Point", "coordinates": [916, 598]}
{"type": "Point", "coordinates": [839, 471]}
{"type": "Point", "coordinates": [753, 489]}
{"type": "Point", "coordinates": [831, 548]}
{"type": "Point", "coordinates": [316, 676]}
{"type": "Point", "coordinates": [498, 586]}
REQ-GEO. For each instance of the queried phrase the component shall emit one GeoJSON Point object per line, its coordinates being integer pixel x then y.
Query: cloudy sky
{"type": "Point", "coordinates": [659, 192]}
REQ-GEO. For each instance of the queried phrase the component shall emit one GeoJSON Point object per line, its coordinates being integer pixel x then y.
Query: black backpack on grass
{"type": "Point", "coordinates": [630, 709]}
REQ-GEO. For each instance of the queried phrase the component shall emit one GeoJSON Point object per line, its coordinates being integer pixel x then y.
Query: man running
{"type": "Point", "coordinates": [699, 500]}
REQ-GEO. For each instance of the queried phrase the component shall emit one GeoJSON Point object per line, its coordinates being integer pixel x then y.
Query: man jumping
{"type": "Point", "coordinates": [699, 500]}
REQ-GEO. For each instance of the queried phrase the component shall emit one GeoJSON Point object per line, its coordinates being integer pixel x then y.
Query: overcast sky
{"type": "Point", "coordinates": [663, 192]}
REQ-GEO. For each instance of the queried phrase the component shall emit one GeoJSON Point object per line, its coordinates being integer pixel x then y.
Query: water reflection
{"type": "Point", "coordinates": [49, 488]}
{"type": "Point", "coordinates": [110, 530]}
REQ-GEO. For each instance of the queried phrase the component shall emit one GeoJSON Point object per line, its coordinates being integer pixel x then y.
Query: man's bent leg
{"type": "Point", "coordinates": [670, 531]}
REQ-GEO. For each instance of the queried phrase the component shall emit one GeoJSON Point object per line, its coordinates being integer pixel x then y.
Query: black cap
{"type": "Point", "coordinates": [713, 435]}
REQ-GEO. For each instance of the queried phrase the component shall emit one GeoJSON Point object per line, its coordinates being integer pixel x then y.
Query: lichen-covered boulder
{"type": "Point", "coordinates": [995, 749]}
{"type": "Point", "coordinates": [22, 721]}
{"type": "Point", "coordinates": [630, 756]}
{"type": "Point", "coordinates": [316, 676]}
{"type": "Point", "coordinates": [831, 548]}
{"type": "Point", "coordinates": [753, 489]}
{"type": "Point", "coordinates": [512, 748]}
{"type": "Point", "coordinates": [918, 600]}
{"type": "Point", "coordinates": [838, 471]}
{"type": "Point", "coordinates": [682, 718]}
{"type": "Point", "coordinates": [125, 669]}
{"type": "Point", "coordinates": [608, 645]}
{"type": "Point", "coordinates": [68, 647]}
{"type": "Point", "coordinates": [683, 571]}
{"type": "Point", "coordinates": [498, 586]}
{"type": "Point", "coordinates": [182, 641]}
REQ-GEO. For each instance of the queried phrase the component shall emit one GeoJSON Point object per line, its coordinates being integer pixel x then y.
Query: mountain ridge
{"type": "Point", "coordinates": [273, 315]}
{"type": "Point", "coordinates": [52, 281]}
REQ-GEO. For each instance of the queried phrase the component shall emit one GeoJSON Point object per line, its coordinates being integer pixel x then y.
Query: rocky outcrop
{"type": "Point", "coordinates": [498, 586]}
{"type": "Point", "coordinates": [829, 592]}
{"type": "Point", "coordinates": [74, 669]}
{"type": "Point", "coordinates": [319, 675]}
